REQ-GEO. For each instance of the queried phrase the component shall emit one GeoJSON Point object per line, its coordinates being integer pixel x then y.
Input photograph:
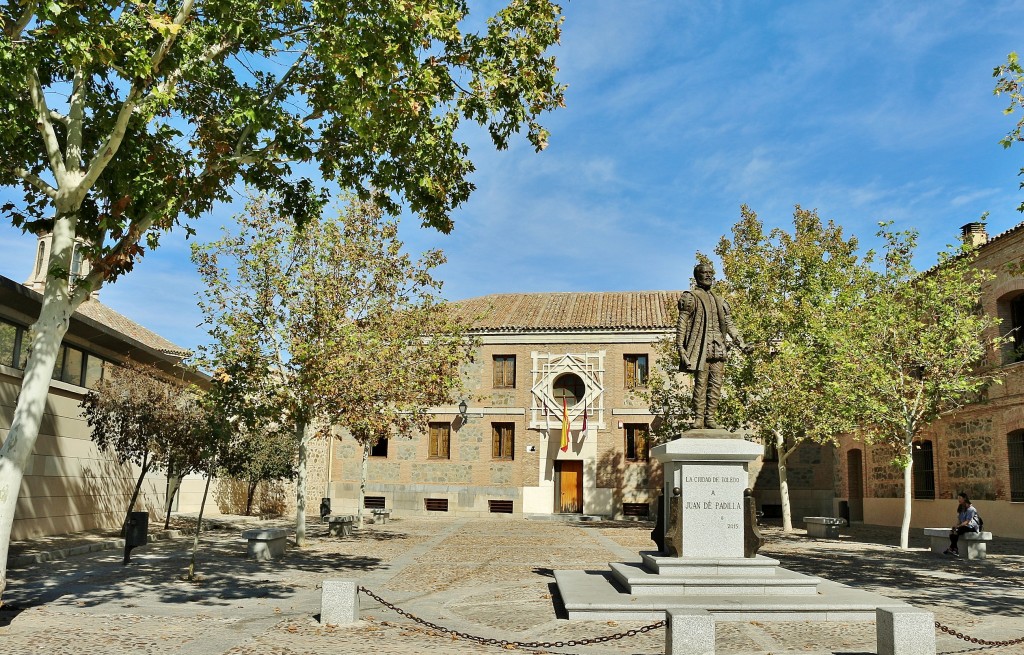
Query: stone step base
{"type": "Point", "coordinates": [636, 580]}
{"type": "Point", "coordinates": [592, 595]}
{"type": "Point", "coordinates": [758, 566]}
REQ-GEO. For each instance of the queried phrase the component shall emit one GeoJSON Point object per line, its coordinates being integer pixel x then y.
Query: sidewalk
{"type": "Point", "coordinates": [487, 577]}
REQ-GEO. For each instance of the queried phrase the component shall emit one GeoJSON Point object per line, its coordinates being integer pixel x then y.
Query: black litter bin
{"type": "Point", "coordinates": [325, 509]}
{"type": "Point", "coordinates": [136, 533]}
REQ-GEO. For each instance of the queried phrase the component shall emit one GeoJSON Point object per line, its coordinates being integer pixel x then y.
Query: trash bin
{"type": "Point", "coordinates": [844, 510]}
{"type": "Point", "coordinates": [136, 533]}
{"type": "Point", "coordinates": [325, 509]}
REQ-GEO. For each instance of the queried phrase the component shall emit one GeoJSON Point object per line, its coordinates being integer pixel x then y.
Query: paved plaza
{"type": "Point", "coordinates": [486, 577]}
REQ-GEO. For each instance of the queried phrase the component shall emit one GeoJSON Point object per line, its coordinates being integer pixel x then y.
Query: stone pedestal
{"type": "Point", "coordinates": [705, 474]}
{"type": "Point", "coordinates": [702, 567]}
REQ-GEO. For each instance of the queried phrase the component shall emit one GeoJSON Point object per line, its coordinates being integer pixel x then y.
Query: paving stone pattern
{"type": "Point", "coordinates": [488, 577]}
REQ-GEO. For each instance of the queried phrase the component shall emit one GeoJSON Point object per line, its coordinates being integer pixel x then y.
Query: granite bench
{"type": "Point", "coordinates": [975, 542]}
{"type": "Point", "coordinates": [823, 527]}
{"type": "Point", "coordinates": [265, 543]}
{"type": "Point", "coordinates": [340, 525]}
{"type": "Point", "coordinates": [381, 515]}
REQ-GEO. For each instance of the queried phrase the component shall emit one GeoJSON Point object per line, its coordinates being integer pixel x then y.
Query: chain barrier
{"type": "Point", "coordinates": [512, 644]}
{"type": "Point", "coordinates": [975, 640]}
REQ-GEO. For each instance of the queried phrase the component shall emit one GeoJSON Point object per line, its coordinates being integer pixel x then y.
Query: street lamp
{"type": "Point", "coordinates": [463, 409]}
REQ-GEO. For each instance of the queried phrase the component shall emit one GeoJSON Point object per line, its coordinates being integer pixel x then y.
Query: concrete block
{"type": "Point", "coordinates": [905, 631]}
{"type": "Point", "coordinates": [339, 602]}
{"type": "Point", "coordinates": [689, 632]}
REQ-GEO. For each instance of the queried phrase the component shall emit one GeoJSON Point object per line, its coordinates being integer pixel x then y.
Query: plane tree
{"type": "Point", "coordinates": [123, 120]}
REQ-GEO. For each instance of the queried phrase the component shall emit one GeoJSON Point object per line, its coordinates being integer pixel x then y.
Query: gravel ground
{"type": "Point", "coordinates": [486, 577]}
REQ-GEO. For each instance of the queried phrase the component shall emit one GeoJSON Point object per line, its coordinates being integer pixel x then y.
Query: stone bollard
{"type": "Point", "coordinates": [689, 632]}
{"type": "Point", "coordinates": [339, 602]}
{"type": "Point", "coordinates": [905, 631]}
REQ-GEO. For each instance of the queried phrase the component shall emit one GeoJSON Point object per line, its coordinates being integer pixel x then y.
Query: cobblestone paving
{"type": "Point", "coordinates": [486, 577]}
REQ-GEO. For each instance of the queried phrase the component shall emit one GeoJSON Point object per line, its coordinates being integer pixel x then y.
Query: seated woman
{"type": "Point", "coordinates": [967, 521]}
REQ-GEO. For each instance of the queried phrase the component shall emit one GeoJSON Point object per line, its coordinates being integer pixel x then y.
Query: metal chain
{"type": "Point", "coordinates": [512, 644]}
{"type": "Point", "coordinates": [975, 640]}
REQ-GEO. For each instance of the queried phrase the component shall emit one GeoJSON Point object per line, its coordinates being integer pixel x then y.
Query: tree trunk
{"type": "Point", "coordinates": [787, 509]}
{"type": "Point", "coordinates": [362, 483]}
{"type": "Point", "coordinates": [173, 485]}
{"type": "Point", "coordinates": [135, 494]}
{"type": "Point", "coordinates": [251, 491]}
{"type": "Point", "coordinates": [908, 495]}
{"type": "Point", "coordinates": [303, 430]}
{"type": "Point", "coordinates": [199, 526]}
{"type": "Point", "coordinates": [47, 333]}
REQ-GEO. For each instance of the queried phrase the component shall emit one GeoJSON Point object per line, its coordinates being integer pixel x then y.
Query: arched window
{"type": "Point", "coordinates": [39, 258]}
{"type": "Point", "coordinates": [76, 263]}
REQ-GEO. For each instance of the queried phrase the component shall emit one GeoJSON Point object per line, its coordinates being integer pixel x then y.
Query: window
{"type": "Point", "coordinates": [503, 440]}
{"type": "Point", "coordinates": [924, 471]}
{"type": "Point", "coordinates": [1010, 310]}
{"type": "Point", "coordinates": [570, 387]}
{"type": "Point", "coordinates": [9, 338]}
{"type": "Point", "coordinates": [1015, 451]}
{"type": "Point", "coordinates": [636, 371]}
{"type": "Point", "coordinates": [504, 372]}
{"type": "Point", "coordinates": [379, 449]}
{"type": "Point", "coordinates": [58, 366]}
{"type": "Point", "coordinates": [636, 442]}
{"type": "Point", "coordinates": [771, 451]}
{"type": "Point", "coordinates": [440, 440]}
{"type": "Point", "coordinates": [94, 367]}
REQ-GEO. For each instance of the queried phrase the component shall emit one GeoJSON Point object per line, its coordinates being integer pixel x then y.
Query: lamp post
{"type": "Point", "coordinates": [463, 411]}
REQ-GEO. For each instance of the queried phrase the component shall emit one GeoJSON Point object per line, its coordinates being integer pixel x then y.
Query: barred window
{"type": "Point", "coordinates": [1015, 450]}
{"type": "Point", "coordinates": [924, 471]}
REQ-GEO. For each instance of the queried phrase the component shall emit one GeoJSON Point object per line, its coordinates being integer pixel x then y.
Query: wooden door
{"type": "Point", "coordinates": [855, 484]}
{"type": "Point", "coordinates": [570, 487]}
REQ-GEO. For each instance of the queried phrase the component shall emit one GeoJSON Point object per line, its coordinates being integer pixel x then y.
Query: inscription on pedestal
{"type": "Point", "coordinates": [712, 510]}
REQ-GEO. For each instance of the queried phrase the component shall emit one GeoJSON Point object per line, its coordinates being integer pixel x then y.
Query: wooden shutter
{"type": "Point", "coordinates": [509, 441]}
{"type": "Point", "coordinates": [444, 441]}
{"type": "Point", "coordinates": [630, 371]}
{"type": "Point", "coordinates": [495, 440]}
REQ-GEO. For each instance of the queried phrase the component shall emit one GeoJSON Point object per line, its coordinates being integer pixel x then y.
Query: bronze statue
{"type": "Point", "coordinates": [704, 323]}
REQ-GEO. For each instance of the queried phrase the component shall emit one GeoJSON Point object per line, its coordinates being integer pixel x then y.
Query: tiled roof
{"type": "Point", "coordinates": [606, 310]}
{"type": "Point", "coordinates": [104, 315]}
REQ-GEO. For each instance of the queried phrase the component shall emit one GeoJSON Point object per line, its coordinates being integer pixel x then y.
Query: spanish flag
{"type": "Point", "coordinates": [565, 426]}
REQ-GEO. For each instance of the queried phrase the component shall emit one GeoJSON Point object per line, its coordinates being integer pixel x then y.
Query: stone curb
{"type": "Point", "coordinates": [64, 553]}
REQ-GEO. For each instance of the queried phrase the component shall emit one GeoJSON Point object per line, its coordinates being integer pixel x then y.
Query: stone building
{"type": "Point", "coordinates": [501, 451]}
{"type": "Point", "coordinates": [979, 449]}
{"type": "Point", "coordinates": [70, 485]}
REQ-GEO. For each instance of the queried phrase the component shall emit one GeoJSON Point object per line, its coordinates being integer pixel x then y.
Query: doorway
{"type": "Point", "coordinates": [569, 491]}
{"type": "Point", "coordinates": [855, 483]}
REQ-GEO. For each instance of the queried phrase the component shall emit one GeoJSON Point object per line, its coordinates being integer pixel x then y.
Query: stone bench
{"type": "Point", "coordinates": [823, 527]}
{"type": "Point", "coordinates": [975, 542]}
{"type": "Point", "coordinates": [381, 515]}
{"type": "Point", "coordinates": [265, 543]}
{"type": "Point", "coordinates": [340, 525]}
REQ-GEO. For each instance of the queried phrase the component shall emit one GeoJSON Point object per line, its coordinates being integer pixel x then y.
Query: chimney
{"type": "Point", "coordinates": [974, 234]}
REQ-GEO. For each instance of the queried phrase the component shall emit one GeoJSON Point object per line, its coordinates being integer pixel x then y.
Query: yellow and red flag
{"type": "Point", "coordinates": [584, 431]}
{"type": "Point", "coordinates": [565, 426]}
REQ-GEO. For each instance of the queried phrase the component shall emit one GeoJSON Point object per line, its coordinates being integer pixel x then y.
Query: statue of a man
{"type": "Point", "coordinates": [704, 323]}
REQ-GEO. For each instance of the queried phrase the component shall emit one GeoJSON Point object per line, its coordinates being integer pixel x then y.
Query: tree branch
{"type": "Point", "coordinates": [76, 117]}
{"type": "Point", "coordinates": [14, 30]}
{"type": "Point", "coordinates": [105, 153]}
{"type": "Point", "coordinates": [36, 181]}
{"type": "Point", "coordinates": [45, 128]}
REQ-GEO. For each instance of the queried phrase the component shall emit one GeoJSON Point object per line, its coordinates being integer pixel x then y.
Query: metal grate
{"type": "Point", "coordinates": [642, 510]}
{"type": "Point", "coordinates": [499, 506]}
{"type": "Point", "coordinates": [373, 502]}
{"type": "Point", "coordinates": [436, 504]}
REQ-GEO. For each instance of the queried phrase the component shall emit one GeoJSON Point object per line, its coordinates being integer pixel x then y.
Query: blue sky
{"type": "Point", "coordinates": [678, 113]}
